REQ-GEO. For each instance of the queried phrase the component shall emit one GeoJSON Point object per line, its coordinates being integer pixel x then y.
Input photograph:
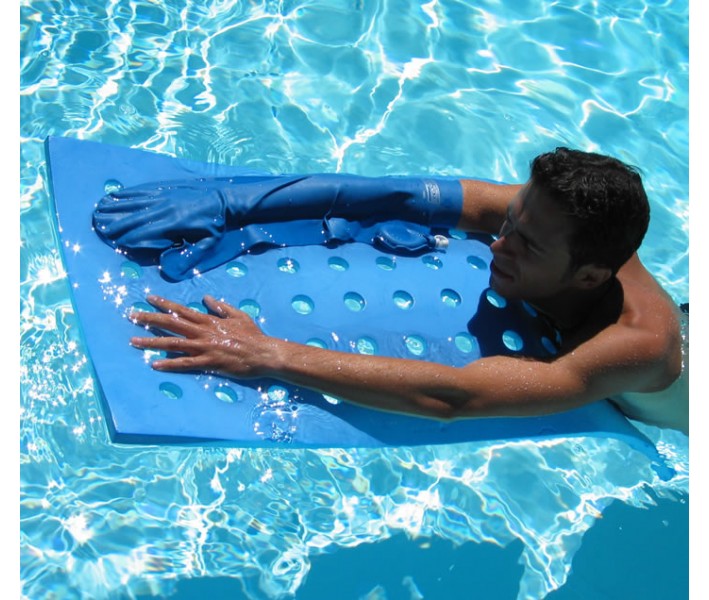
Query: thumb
{"type": "Point", "coordinates": [188, 259]}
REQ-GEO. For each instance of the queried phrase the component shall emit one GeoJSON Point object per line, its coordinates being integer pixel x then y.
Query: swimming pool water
{"type": "Point", "coordinates": [382, 87]}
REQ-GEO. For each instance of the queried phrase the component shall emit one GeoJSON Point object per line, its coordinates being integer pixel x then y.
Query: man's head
{"type": "Point", "coordinates": [603, 197]}
{"type": "Point", "coordinates": [578, 219]}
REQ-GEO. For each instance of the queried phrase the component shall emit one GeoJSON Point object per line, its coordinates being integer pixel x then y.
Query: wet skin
{"type": "Point", "coordinates": [621, 334]}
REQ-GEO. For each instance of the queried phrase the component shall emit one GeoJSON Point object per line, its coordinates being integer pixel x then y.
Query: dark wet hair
{"type": "Point", "coordinates": [605, 199]}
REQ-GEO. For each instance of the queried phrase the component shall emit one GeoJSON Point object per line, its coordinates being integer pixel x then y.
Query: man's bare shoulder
{"type": "Point", "coordinates": [631, 342]}
{"type": "Point", "coordinates": [667, 407]}
{"type": "Point", "coordinates": [649, 310]}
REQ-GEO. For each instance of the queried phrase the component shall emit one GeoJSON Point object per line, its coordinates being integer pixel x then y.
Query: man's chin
{"type": "Point", "coordinates": [502, 286]}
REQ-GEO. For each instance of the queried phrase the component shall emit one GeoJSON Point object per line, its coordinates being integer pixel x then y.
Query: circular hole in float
{"type": "Point", "coordinates": [512, 340]}
{"type": "Point", "coordinates": [198, 306]}
{"type": "Point", "coordinates": [450, 298]}
{"type": "Point", "coordinates": [549, 346]}
{"type": "Point", "coordinates": [278, 394]}
{"type": "Point", "coordinates": [237, 269]}
{"type": "Point", "coordinates": [171, 390]}
{"type": "Point", "coordinates": [466, 343]}
{"type": "Point", "coordinates": [149, 355]}
{"type": "Point", "coordinates": [495, 299]}
{"type": "Point", "coordinates": [457, 234]}
{"type": "Point", "coordinates": [112, 185]}
{"type": "Point", "coordinates": [477, 263]}
{"type": "Point", "coordinates": [302, 305]}
{"type": "Point", "coordinates": [432, 262]}
{"type": "Point", "coordinates": [226, 393]}
{"type": "Point", "coordinates": [530, 309]}
{"type": "Point", "coordinates": [403, 300]}
{"type": "Point", "coordinates": [250, 307]}
{"type": "Point", "coordinates": [131, 270]}
{"type": "Point", "coordinates": [337, 263]}
{"type": "Point", "coordinates": [415, 344]}
{"type": "Point", "coordinates": [354, 301]}
{"type": "Point", "coordinates": [316, 343]}
{"type": "Point", "coordinates": [366, 345]}
{"type": "Point", "coordinates": [386, 263]}
{"type": "Point", "coordinates": [288, 265]}
{"type": "Point", "coordinates": [142, 307]}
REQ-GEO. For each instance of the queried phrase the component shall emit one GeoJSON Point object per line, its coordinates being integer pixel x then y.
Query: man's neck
{"type": "Point", "coordinates": [574, 310]}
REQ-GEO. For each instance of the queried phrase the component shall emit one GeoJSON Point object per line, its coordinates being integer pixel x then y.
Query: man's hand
{"type": "Point", "coordinates": [226, 342]}
{"type": "Point", "coordinates": [158, 216]}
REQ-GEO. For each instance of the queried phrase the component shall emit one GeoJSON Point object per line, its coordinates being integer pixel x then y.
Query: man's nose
{"type": "Point", "coordinates": [503, 244]}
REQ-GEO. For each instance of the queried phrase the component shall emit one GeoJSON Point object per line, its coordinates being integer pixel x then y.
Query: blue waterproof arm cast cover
{"type": "Point", "coordinates": [198, 224]}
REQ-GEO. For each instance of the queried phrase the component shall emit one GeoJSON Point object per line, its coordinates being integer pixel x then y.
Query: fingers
{"type": "Point", "coordinates": [121, 201]}
{"type": "Point", "coordinates": [182, 320]}
{"type": "Point", "coordinates": [175, 318]}
{"type": "Point", "coordinates": [178, 263]}
{"type": "Point", "coordinates": [221, 308]}
{"type": "Point", "coordinates": [176, 309]}
{"type": "Point", "coordinates": [171, 324]}
{"type": "Point", "coordinates": [184, 363]}
{"type": "Point", "coordinates": [168, 344]}
{"type": "Point", "coordinates": [136, 225]}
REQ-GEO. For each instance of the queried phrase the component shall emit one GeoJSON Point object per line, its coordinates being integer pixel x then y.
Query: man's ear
{"type": "Point", "coordinates": [588, 277]}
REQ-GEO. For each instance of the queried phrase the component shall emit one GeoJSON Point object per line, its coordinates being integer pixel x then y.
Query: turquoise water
{"type": "Point", "coordinates": [387, 87]}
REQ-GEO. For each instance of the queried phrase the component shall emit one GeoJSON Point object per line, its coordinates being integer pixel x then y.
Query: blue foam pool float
{"type": "Point", "coordinates": [352, 297]}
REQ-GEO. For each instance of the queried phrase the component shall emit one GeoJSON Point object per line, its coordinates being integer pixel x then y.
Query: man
{"type": "Point", "coordinates": [566, 244]}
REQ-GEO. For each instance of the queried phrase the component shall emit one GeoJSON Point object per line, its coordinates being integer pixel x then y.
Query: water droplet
{"type": "Point", "coordinates": [112, 185]}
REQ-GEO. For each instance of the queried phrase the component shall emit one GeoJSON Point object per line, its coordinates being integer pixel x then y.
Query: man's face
{"type": "Point", "coordinates": [531, 258]}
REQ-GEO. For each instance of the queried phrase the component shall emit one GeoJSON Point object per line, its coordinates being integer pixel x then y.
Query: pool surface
{"type": "Point", "coordinates": [372, 88]}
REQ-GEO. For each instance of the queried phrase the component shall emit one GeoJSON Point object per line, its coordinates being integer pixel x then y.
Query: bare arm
{"type": "Point", "coordinates": [485, 205]}
{"type": "Point", "coordinates": [229, 342]}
